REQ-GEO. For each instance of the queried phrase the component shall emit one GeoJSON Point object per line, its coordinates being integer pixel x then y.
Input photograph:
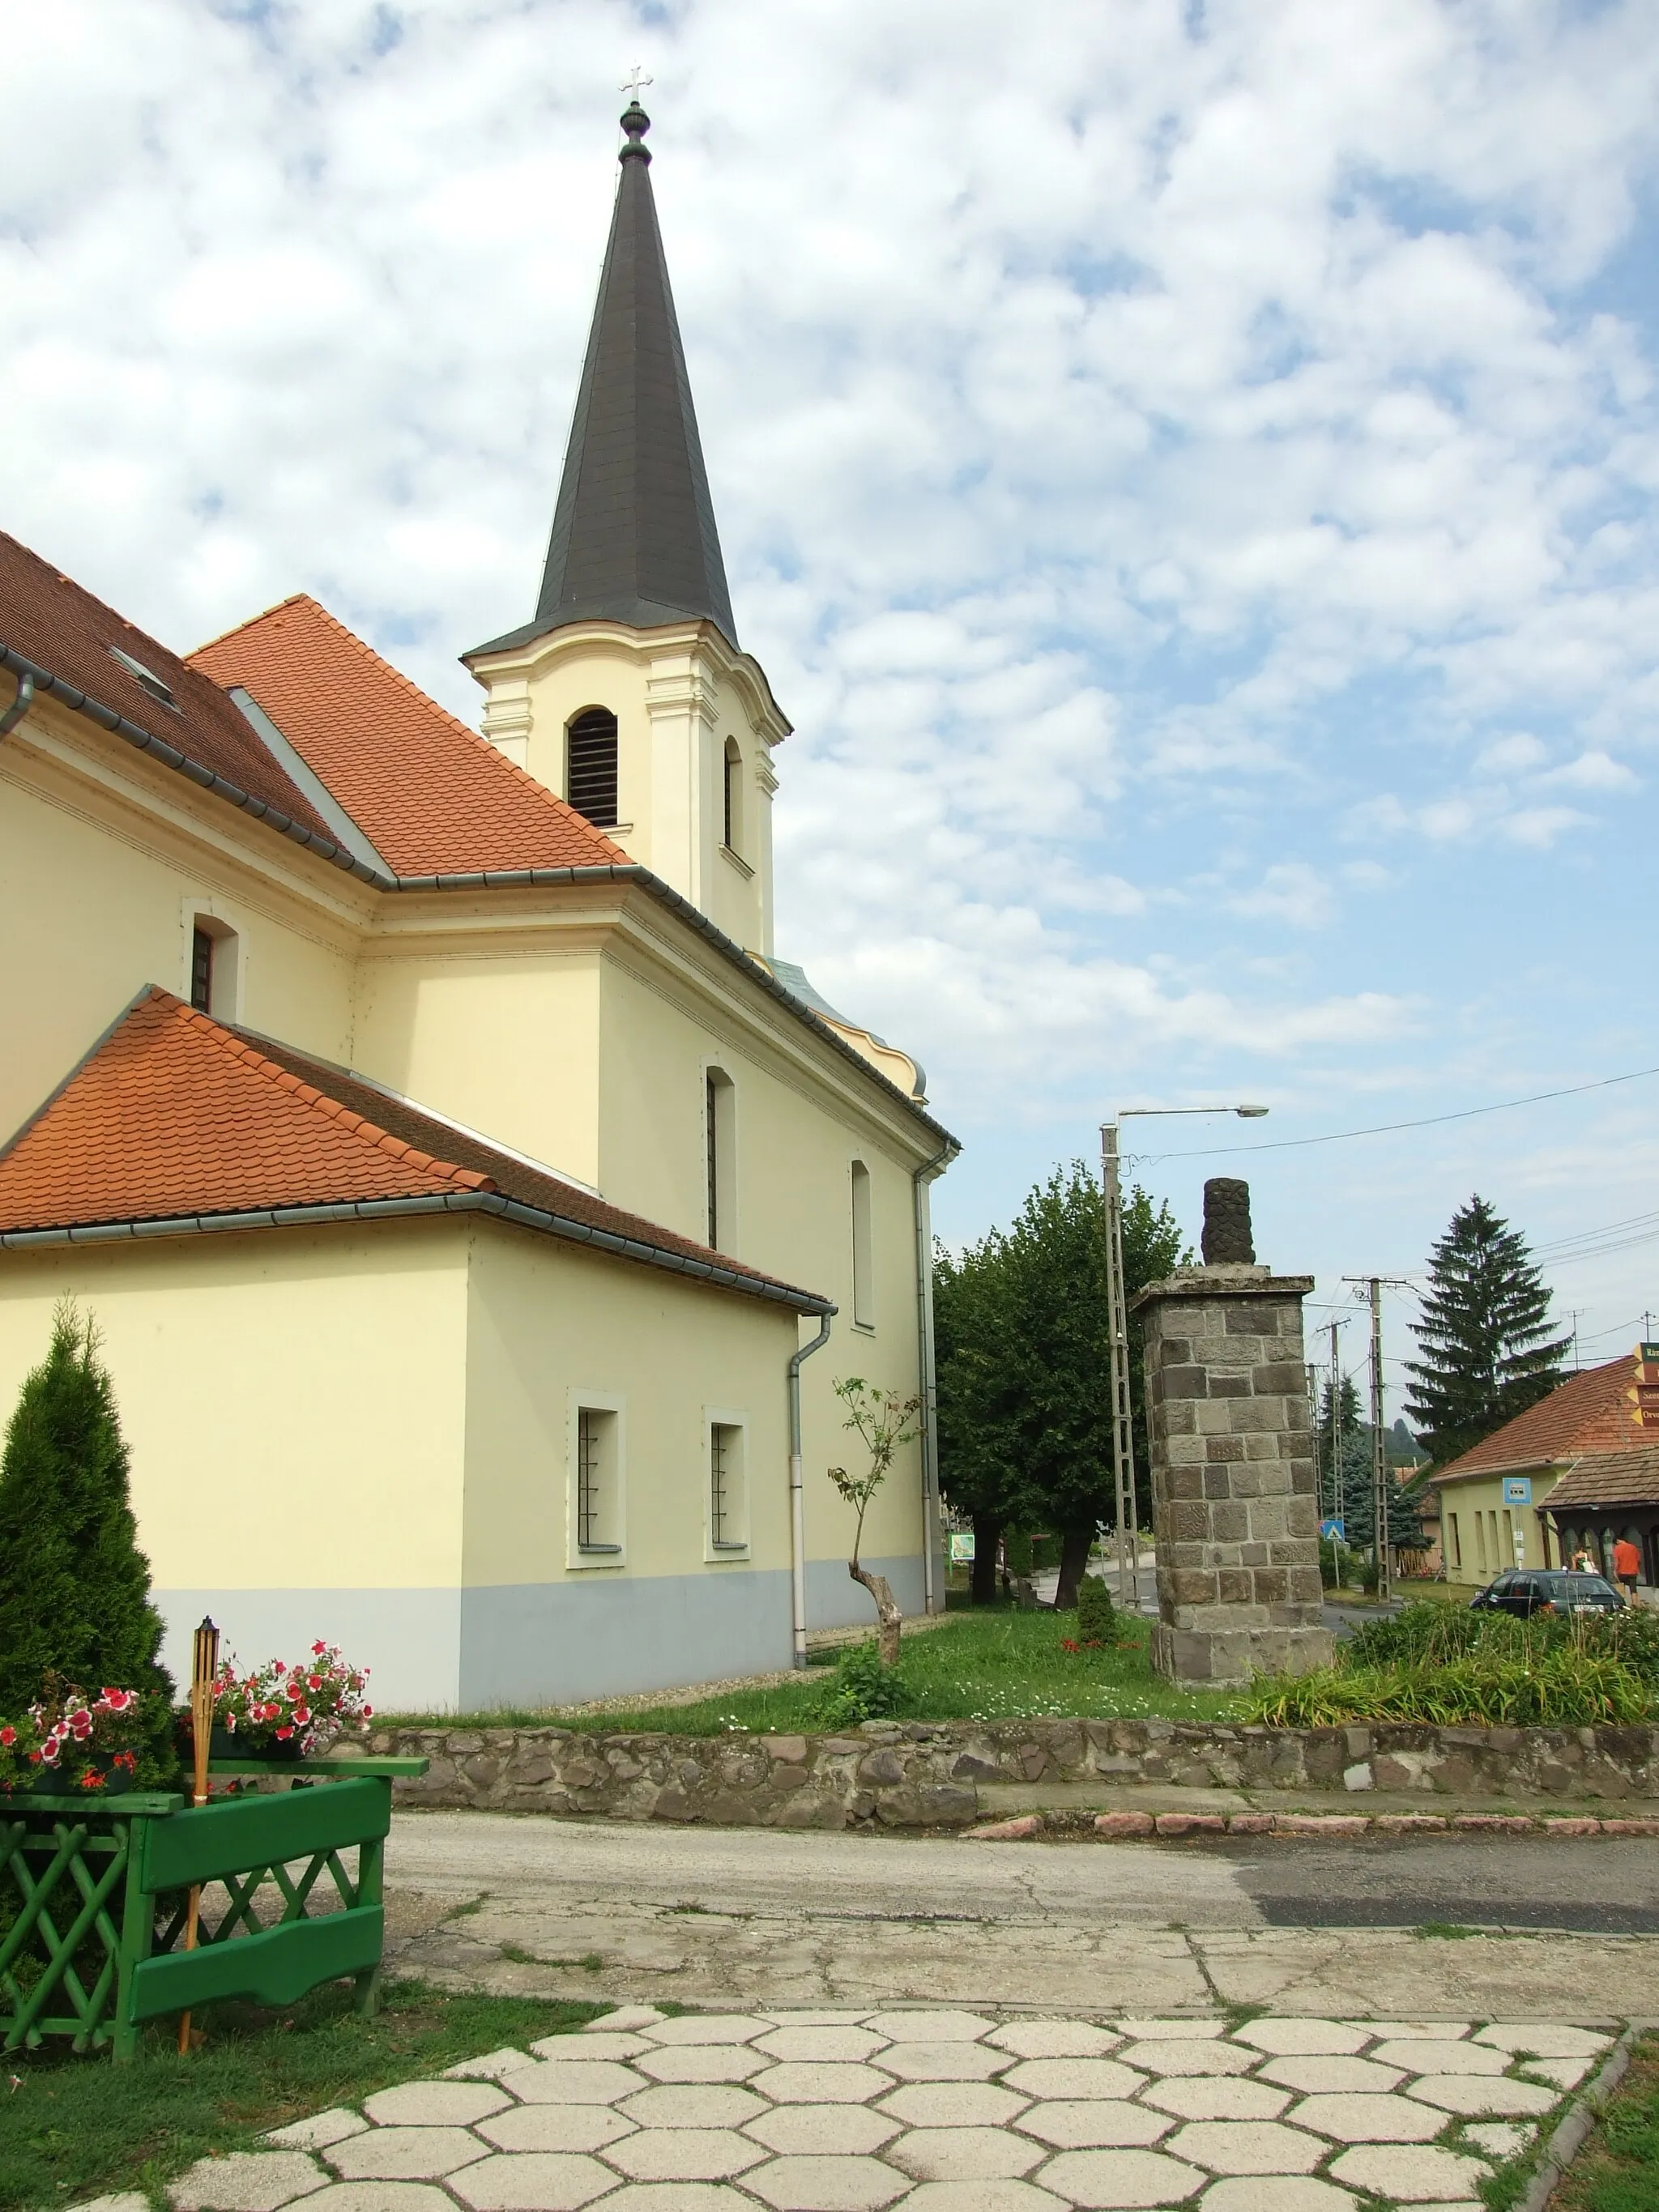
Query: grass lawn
{"type": "Point", "coordinates": [73, 2128]}
{"type": "Point", "coordinates": [1618, 2169]}
{"type": "Point", "coordinates": [992, 1665]}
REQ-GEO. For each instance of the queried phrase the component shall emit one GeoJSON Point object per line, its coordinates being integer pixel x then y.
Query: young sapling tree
{"type": "Point", "coordinates": [880, 1419]}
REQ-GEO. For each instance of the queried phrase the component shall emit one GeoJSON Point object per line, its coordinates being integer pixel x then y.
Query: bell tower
{"type": "Point", "coordinates": [629, 694]}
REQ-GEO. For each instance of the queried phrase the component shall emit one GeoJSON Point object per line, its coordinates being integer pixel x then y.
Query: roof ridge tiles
{"type": "Point", "coordinates": [283, 1078]}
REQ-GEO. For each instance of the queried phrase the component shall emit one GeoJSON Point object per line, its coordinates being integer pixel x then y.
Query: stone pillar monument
{"type": "Point", "coordinates": [1234, 1512]}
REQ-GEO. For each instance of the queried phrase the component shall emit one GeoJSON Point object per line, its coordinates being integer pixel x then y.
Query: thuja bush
{"type": "Point", "coordinates": [1097, 1616]}
{"type": "Point", "coordinates": [75, 1600]}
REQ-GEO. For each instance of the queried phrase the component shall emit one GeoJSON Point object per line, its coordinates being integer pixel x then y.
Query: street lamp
{"type": "Point", "coordinates": [1123, 1448]}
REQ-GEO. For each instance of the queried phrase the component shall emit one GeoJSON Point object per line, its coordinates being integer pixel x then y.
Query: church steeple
{"type": "Point", "coordinates": [634, 538]}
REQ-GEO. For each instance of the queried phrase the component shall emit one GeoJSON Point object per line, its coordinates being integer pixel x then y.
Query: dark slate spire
{"type": "Point", "coordinates": [634, 538]}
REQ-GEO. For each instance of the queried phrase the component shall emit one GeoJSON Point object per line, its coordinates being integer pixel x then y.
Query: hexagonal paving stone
{"type": "Point", "coordinates": [684, 2155]}
{"type": "Point", "coordinates": [830, 2043]}
{"type": "Point", "coordinates": [1545, 2041]}
{"type": "Point", "coordinates": [1095, 2124]}
{"type": "Point", "coordinates": [627, 2017]}
{"type": "Point", "coordinates": [1331, 2076]}
{"type": "Point", "coordinates": [434, 2104]}
{"type": "Point", "coordinates": [1304, 2038]}
{"type": "Point", "coordinates": [1246, 2147]}
{"type": "Point", "coordinates": [826, 2184]}
{"type": "Point", "coordinates": [1216, 2097]}
{"type": "Point", "coordinates": [814, 2016]}
{"type": "Point", "coordinates": [1102, 2180]}
{"type": "Point", "coordinates": [823, 2084]}
{"type": "Point", "coordinates": [1284, 2192]}
{"type": "Point", "coordinates": [694, 2104]}
{"type": "Point", "coordinates": [532, 2181]}
{"type": "Point", "coordinates": [1163, 2031]}
{"type": "Point", "coordinates": [708, 2028]}
{"type": "Point", "coordinates": [929, 2027]}
{"type": "Point", "coordinates": [1055, 2038]}
{"type": "Point", "coordinates": [1498, 2138]}
{"type": "Point", "coordinates": [555, 2127]}
{"type": "Point", "coordinates": [1073, 2077]}
{"type": "Point", "coordinates": [943, 2062]}
{"type": "Point", "coordinates": [1412, 2174]}
{"type": "Point", "coordinates": [1565, 2073]}
{"type": "Point", "coordinates": [953, 2105]}
{"type": "Point", "coordinates": [980, 2196]}
{"type": "Point", "coordinates": [318, 2132]}
{"type": "Point", "coordinates": [703, 2062]}
{"type": "Point", "coordinates": [247, 2181]}
{"type": "Point", "coordinates": [1179, 2055]}
{"type": "Point", "coordinates": [964, 2154]}
{"type": "Point", "coordinates": [677, 2197]}
{"type": "Point", "coordinates": [1366, 2117]}
{"type": "Point", "coordinates": [404, 2153]}
{"type": "Point", "coordinates": [1421, 2056]}
{"type": "Point", "coordinates": [383, 2197]}
{"type": "Point", "coordinates": [824, 2131]}
{"type": "Point", "coordinates": [1477, 2100]}
{"type": "Point", "coordinates": [491, 2066]}
{"type": "Point", "coordinates": [123, 2200]}
{"type": "Point", "coordinates": [1430, 2031]}
{"type": "Point", "coordinates": [558, 2082]}
{"type": "Point", "coordinates": [584, 2045]}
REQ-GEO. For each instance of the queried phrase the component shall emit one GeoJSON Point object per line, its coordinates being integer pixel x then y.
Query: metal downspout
{"type": "Point", "coordinates": [21, 705]}
{"type": "Point", "coordinates": [797, 1500]}
{"type": "Point", "coordinates": [927, 1390]}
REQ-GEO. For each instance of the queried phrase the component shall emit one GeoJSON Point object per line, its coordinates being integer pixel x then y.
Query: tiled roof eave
{"type": "Point", "coordinates": [381, 1209]}
{"type": "Point", "coordinates": [479, 879]}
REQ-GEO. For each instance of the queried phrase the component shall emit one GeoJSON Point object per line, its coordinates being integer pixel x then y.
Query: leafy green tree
{"type": "Point", "coordinates": [980, 1472]}
{"type": "Point", "coordinates": [1483, 1333]}
{"type": "Point", "coordinates": [74, 1585]}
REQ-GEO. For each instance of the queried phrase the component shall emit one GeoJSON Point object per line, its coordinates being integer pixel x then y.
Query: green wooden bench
{"type": "Point", "coordinates": [92, 1909]}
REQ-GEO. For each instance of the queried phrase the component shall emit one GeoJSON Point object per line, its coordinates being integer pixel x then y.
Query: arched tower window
{"type": "Point", "coordinates": [732, 798]}
{"type": "Point", "coordinates": [591, 766]}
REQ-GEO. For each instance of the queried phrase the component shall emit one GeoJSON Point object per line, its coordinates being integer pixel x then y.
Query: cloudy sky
{"type": "Point", "coordinates": [1188, 467]}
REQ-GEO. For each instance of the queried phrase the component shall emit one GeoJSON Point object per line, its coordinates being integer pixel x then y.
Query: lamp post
{"type": "Point", "coordinates": [1123, 1450]}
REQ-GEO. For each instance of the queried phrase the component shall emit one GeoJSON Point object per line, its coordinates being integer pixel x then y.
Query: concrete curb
{"type": "Point", "coordinates": [1568, 2138]}
{"type": "Point", "coordinates": [1132, 1828]}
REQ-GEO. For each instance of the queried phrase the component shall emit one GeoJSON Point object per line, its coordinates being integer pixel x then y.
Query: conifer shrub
{"type": "Point", "coordinates": [75, 1600]}
{"type": "Point", "coordinates": [863, 1689]}
{"type": "Point", "coordinates": [1097, 1616]}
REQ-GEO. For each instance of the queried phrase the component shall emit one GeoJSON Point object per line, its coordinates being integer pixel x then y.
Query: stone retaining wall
{"type": "Point", "coordinates": [923, 1774]}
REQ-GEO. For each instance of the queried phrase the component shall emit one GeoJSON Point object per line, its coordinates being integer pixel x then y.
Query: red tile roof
{"type": "Point", "coordinates": [1589, 1413]}
{"type": "Point", "coordinates": [51, 620]}
{"type": "Point", "coordinates": [432, 796]}
{"type": "Point", "coordinates": [174, 1118]}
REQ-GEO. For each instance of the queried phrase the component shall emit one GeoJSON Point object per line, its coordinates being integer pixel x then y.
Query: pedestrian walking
{"type": "Point", "coordinates": [1582, 1563]}
{"type": "Point", "coordinates": [1627, 1567]}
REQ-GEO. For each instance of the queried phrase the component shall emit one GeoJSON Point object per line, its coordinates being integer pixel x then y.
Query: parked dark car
{"type": "Point", "coordinates": [1547, 1589]}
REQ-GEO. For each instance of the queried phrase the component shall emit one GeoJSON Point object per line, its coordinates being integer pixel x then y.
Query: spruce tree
{"type": "Point", "coordinates": [1484, 1333]}
{"type": "Point", "coordinates": [74, 1585]}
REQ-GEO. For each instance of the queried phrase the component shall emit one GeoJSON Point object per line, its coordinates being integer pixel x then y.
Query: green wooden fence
{"type": "Point", "coordinates": [93, 1899]}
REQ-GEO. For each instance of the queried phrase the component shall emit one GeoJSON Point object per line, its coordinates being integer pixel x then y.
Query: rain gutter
{"type": "Point", "coordinates": [797, 1488]}
{"type": "Point", "coordinates": [386, 1209]}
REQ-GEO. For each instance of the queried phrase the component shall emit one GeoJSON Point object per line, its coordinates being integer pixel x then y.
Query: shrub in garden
{"type": "Point", "coordinates": [862, 1689]}
{"type": "Point", "coordinates": [75, 1599]}
{"type": "Point", "coordinates": [1097, 1616]}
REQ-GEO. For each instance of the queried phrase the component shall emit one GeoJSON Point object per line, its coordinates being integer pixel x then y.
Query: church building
{"type": "Point", "coordinates": [477, 1214]}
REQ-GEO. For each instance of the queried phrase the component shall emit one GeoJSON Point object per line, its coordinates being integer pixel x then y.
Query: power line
{"type": "Point", "coordinates": [1428, 1120]}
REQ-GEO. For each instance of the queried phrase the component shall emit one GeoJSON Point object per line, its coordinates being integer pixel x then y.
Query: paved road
{"type": "Point", "coordinates": [754, 1916]}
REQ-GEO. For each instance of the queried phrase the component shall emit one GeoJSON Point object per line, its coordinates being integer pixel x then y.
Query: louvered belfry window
{"type": "Point", "coordinates": [201, 972]}
{"type": "Point", "coordinates": [591, 768]}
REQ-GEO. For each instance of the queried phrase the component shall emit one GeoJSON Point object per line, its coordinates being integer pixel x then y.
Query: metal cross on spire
{"type": "Point", "coordinates": [632, 83]}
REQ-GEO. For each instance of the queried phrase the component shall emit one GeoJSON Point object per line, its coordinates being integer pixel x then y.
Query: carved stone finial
{"type": "Point", "coordinates": [1227, 1240]}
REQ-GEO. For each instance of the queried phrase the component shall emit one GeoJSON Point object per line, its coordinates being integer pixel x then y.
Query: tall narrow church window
{"type": "Point", "coordinates": [864, 1303]}
{"type": "Point", "coordinates": [731, 834]}
{"type": "Point", "coordinates": [201, 971]}
{"type": "Point", "coordinates": [720, 1143]}
{"type": "Point", "coordinates": [728, 1514]}
{"type": "Point", "coordinates": [591, 767]}
{"type": "Point", "coordinates": [597, 1521]}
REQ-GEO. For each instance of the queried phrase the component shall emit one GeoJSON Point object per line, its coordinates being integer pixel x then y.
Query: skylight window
{"type": "Point", "coordinates": [146, 676]}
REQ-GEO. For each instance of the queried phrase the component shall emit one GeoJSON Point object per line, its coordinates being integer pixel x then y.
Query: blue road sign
{"type": "Point", "coordinates": [1335, 1531]}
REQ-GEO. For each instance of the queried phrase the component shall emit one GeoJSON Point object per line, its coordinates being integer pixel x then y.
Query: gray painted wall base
{"type": "Point", "coordinates": [536, 1644]}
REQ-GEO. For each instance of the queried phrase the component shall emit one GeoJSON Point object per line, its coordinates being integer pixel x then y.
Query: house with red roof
{"type": "Point", "coordinates": [1577, 1471]}
{"type": "Point", "coordinates": [476, 1211]}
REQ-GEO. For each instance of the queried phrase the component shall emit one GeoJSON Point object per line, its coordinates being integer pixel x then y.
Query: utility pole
{"type": "Point", "coordinates": [1380, 1479]}
{"type": "Point", "coordinates": [1336, 1430]}
{"type": "Point", "coordinates": [1117, 1322]}
{"type": "Point", "coordinates": [1311, 1371]}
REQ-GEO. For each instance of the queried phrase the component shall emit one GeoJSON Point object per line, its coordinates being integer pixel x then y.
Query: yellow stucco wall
{"type": "Point", "coordinates": [97, 901]}
{"type": "Point", "coordinates": [1477, 1529]}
